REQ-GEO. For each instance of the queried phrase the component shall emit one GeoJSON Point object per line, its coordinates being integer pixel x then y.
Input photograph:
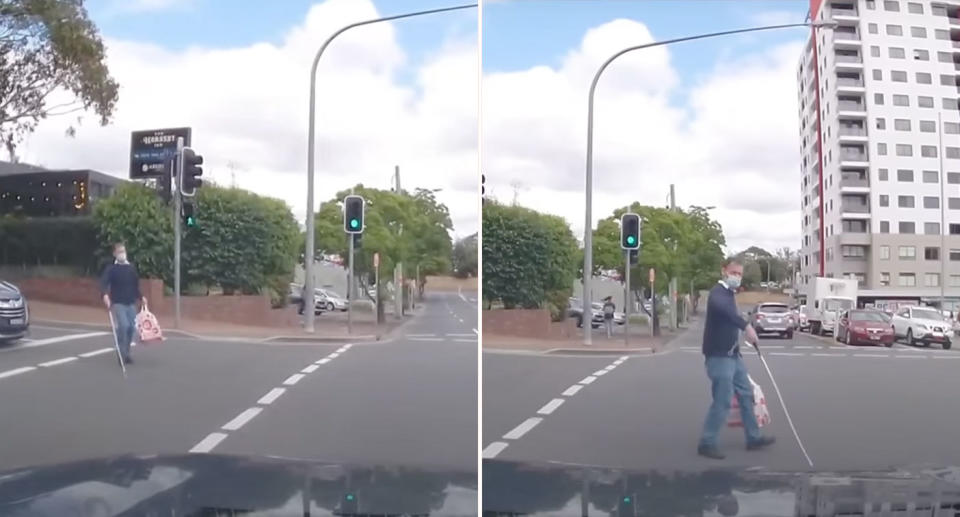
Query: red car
{"type": "Point", "coordinates": [868, 326]}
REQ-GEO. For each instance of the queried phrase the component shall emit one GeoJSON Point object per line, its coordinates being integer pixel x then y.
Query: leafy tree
{"type": "Point", "coordinates": [412, 229]}
{"type": "Point", "coordinates": [465, 257]}
{"type": "Point", "coordinates": [136, 216]}
{"type": "Point", "coordinates": [48, 47]}
{"type": "Point", "coordinates": [529, 258]}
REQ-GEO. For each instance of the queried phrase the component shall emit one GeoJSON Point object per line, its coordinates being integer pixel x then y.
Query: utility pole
{"type": "Point", "coordinates": [398, 268]}
{"type": "Point", "coordinates": [177, 168]}
{"type": "Point", "coordinates": [674, 321]}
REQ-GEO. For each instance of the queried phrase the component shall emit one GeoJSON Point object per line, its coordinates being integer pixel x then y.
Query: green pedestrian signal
{"type": "Point", "coordinates": [354, 224]}
{"type": "Point", "coordinates": [353, 207]}
{"type": "Point", "coordinates": [630, 231]}
{"type": "Point", "coordinates": [350, 497]}
{"type": "Point", "coordinates": [631, 240]}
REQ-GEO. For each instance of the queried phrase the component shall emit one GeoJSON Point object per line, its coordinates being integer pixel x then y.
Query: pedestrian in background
{"type": "Point", "coordinates": [724, 364]}
{"type": "Point", "coordinates": [120, 287]}
{"type": "Point", "coordinates": [608, 309]}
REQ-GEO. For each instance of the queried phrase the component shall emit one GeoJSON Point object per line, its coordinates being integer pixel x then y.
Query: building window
{"type": "Point", "coordinates": [882, 149]}
{"type": "Point", "coordinates": [853, 251]}
{"type": "Point", "coordinates": [924, 78]}
{"type": "Point", "coordinates": [894, 30]}
{"type": "Point", "coordinates": [954, 229]}
{"type": "Point", "coordinates": [931, 228]}
{"type": "Point", "coordinates": [891, 5]}
{"type": "Point", "coordinates": [950, 128]}
{"type": "Point", "coordinates": [907, 280]}
{"type": "Point", "coordinates": [955, 255]}
{"type": "Point", "coordinates": [901, 100]}
{"type": "Point", "coordinates": [901, 124]}
{"type": "Point", "coordinates": [885, 279]}
{"type": "Point", "coordinates": [928, 126]}
{"type": "Point", "coordinates": [931, 279]}
{"type": "Point", "coordinates": [904, 150]}
{"type": "Point", "coordinates": [881, 123]}
{"type": "Point", "coordinates": [947, 80]}
{"type": "Point", "coordinates": [952, 152]}
{"type": "Point", "coordinates": [875, 51]}
{"type": "Point", "coordinates": [918, 32]}
{"type": "Point", "coordinates": [953, 178]}
{"type": "Point", "coordinates": [925, 102]}
{"type": "Point", "coordinates": [884, 200]}
{"type": "Point", "coordinates": [897, 53]}
{"type": "Point", "coordinates": [931, 253]}
{"type": "Point", "coordinates": [905, 202]}
{"type": "Point", "coordinates": [877, 75]}
{"type": "Point", "coordinates": [931, 177]}
{"type": "Point", "coordinates": [941, 34]}
{"type": "Point", "coordinates": [878, 99]}
{"type": "Point", "coordinates": [904, 175]}
{"type": "Point", "coordinates": [931, 202]}
{"type": "Point", "coordinates": [914, 8]}
{"type": "Point", "coordinates": [944, 57]}
{"type": "Point", "coordinates": [953, 203]}
{"type": "Point", "coordinates": [873, 29]}
{"type": "Point", "coordinates": [898, 76]}
{"type": "Point", "coordinates": [907, 228]}
{"type": "Point", "coordinates": [954, 280]}
{"type": "Point", "coordinates": [884, 252]}
{"type": "Point", "coordinates": [928, 151]}
{"type": "Point", "coordinates": [884, 175]}
{"type": "Point", "coordinates": [829, 254]}
{"type": "Point", "coordinates": [885, 227]}
{"type": "Point", "coordinates": [950, 103]}
{"type": "Point", "coordinates": [938, 10]}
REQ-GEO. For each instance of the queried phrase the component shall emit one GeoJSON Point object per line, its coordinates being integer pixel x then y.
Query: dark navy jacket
{"type": "Point", "coordinates": [723, 324]}
{"type": "Point", "coordinates": [121, 282]}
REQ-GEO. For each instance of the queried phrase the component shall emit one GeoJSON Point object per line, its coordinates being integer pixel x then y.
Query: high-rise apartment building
{"type": "Point", "coordinates": [880, 147]}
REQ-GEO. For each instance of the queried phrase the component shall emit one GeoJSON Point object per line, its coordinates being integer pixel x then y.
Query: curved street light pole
{"type": "Point", "coordinates": [588, 227]}
{"type": "Point", "coordinates": [308, 287]}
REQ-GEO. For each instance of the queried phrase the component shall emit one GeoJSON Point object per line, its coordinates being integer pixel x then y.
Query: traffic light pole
{"type": "Point", "coordinates": [177, 204]}
{"type": "Point", "coordinates": [626, 300]}
{"type": "Point", "coordinates": [350, 290]}
{"type": "Point", "coordinates": [311, 140]}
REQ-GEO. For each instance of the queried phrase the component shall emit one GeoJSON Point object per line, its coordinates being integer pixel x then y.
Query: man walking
{"type": "Point", "coordinates": [120, 287]}
{"type": "Point", "coordinates": [608, 309]}
{"type": "Point", "coordinates": [725, 367]}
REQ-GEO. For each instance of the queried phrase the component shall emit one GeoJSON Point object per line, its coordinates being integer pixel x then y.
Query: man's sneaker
{"type": "Point", "coordinates": [128, 360]}
{"type": "Point", "coordinates": [710, 452]}
{"type": "Point", "coordinates": [762, 442]}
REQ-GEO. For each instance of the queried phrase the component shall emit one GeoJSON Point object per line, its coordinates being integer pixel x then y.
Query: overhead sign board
{"type": "Point", "coordinates": [152, 150]}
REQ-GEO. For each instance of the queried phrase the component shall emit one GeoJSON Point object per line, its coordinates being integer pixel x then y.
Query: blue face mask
{"type": "Point", "coordinates": [732, 281]}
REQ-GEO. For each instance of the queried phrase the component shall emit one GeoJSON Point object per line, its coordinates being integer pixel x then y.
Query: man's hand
{"type": "Point", "coordinates": [106, 300]}
{"type": "Point", "coordinates": [751, 335]}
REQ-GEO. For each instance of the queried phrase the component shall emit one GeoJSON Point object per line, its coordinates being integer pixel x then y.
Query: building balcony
{"type": "Point", "coordinates": [854, 239]}
{"type": "Point", "coordinates": [842, 12]}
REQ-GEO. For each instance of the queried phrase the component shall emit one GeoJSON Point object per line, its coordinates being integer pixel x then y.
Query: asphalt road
{"type": "Point", "coordinates": [409, 401]}
{"type": "Point", "coordinates": [856, 408]}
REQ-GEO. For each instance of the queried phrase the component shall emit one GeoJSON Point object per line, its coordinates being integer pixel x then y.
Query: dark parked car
{"type": "Point", "coordinates": [865, 326]}
{"type": "Point", "coordinates": [575, 310]}
{"type": "Point", "coordinates": [14, 313]}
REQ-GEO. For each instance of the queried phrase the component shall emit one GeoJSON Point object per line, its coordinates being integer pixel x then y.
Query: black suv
{"type": "Point", "coordinates": [14, 314]}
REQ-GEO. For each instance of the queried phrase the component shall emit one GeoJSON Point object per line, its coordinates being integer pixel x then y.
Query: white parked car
{"type": "Point", "coordinates": [923, 325]}
{"type": "Point", "coordinates": [331, 300]}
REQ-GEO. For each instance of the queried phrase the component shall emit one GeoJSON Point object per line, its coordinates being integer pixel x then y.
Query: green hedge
{"type": "Point", "coordinates": [49, 241]}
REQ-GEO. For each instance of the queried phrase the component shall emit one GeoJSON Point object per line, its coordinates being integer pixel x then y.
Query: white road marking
{"type": "Point", "coordinates": [550, 407]}
{"type": "Point", "coordinates": [310, 369]}
{"type": "Point", "coordinates": [58, 361]}
{"type": "Point", "coordinates": [804, 347]}
{"type": "Point", "coordinates": [242, 419]}
{"type": "Point", "coordinates": [871, 355]}
{"type": "Point", "coordinates": [793, 354]}
{"type": "Point", "coordinates": [460, 320]}
{"type": "Point", "coordinates": [476, 332]}
{"type": "Point", "coordinates": [17, 371]}
{"type": "Point", "coordinates": [600, 373]}
{"type": "Point", "coordinates": [61, 339]}
{"type": "Point", "coordinates": [334, 355]}
{"type": "Point", "coordinates": [97, 352]}
{"type": "Point", "coordinates": [208, 443]}
{"type": "Point", "coordinates": [272, 395]}
{"type": "Point", "coordinates": [523, 428]}
{"type": "Point", "coordinates": [325, 360]}
{"type": "Point", "coordinates": [348, 346]}
{"type": "Point", "coordinates": [587, 380]}
{"type": "Point", "coordinates": [494, 449]}
{"type": "Point", "coordinates": [572, 390]}
{"type": "Point", "coordinates": [464, 340]}
{"type": "Point", "coordinates": [461, 335]}
{"type": "Point", "coordinates": [341, 350]}
{"type": "Point", "coordinates": [462, 297]}
{"type": "Point", "coordinates": [946, 356]}
{"type": "Point", "coordinates": [293, 379]}
{"type": "Point", "coordinates": [611, 367]}
{"type": "Point", "coordinates": [421, 335]}
{"type": "Point", "coordinates": [910, 357]}
{"type": "Point", "coordinates": [431, 339]}
{"type": "Point", "coordinates": [815, 354]}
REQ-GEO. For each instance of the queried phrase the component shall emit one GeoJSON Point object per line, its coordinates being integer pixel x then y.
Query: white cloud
{"type": "Point", "coordinates": [733, 145]}
{"type": "Point", "coordinates": [248, 108]}
{"type": "Point", "coordinates": [140, 6]}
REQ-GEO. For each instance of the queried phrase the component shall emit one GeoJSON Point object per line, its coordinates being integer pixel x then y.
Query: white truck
{"type": "Point", "coordinates": [827, 299]}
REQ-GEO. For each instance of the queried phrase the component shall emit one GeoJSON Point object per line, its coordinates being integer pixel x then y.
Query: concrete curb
{"type": "Point", "coordinates": [322, 339]}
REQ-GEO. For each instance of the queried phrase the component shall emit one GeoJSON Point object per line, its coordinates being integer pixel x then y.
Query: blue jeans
{"type": "Point", "coordinates": [728, 375]}
{"type": "Point", "coordinates": [124, 317]}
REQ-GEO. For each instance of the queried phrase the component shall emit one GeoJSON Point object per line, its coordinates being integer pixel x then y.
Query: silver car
{"type": "Point", "coordinates": [773, 318]}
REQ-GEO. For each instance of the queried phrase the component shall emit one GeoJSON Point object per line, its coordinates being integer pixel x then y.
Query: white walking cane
{"type": "Point", "coordinates": [784, 406]}
{"type": "Point", "coordinates": [116, 343]}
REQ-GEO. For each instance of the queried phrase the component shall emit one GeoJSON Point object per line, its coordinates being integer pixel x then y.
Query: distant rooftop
{"type": "Point", "coordinates": [9, 169]}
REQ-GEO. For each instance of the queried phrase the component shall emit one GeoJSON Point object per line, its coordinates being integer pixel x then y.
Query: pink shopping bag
{"type": "Point", "coordinates": [148, 327]}
{"type": "Point", "coordinates": [759, 408]}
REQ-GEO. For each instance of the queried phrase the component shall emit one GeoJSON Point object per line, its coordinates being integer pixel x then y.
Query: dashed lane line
{"type": "Point", "coordinates": [572, 390]}
{"type": "Point", "coordinates": [517, 432]}
{"type": "Point", "coordinates": [213, 439]}
{"type": "Point", "coordinates": [97, 352]}
{"type": "Point", "coordinates": [59, 339]}
{"type": "Point", "coordinates": [493, 450]}
{"type": "Point", "coordinates": [17, 371]}
{"type": "Point", "coordinates": [550, 407]}
{"type": "Point", "coordinates": [55, 362]}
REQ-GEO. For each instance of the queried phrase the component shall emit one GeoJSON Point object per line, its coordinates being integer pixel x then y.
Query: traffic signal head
{"type": "Point", "coordinates": [353, 214]}
{"type": "Point", "coordinates": [190, 175]}
{"type": "Point", "coordinates": [189, 215]}
{"type": "Point", "coordinates": [630, 231]}
{"type": "Point", "coordinates": [483, 188]}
